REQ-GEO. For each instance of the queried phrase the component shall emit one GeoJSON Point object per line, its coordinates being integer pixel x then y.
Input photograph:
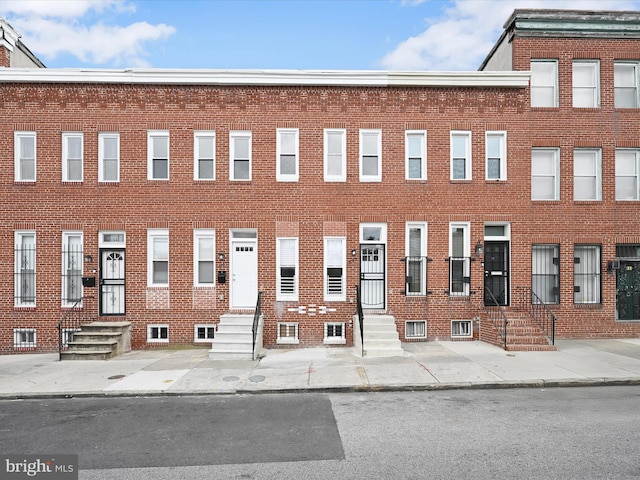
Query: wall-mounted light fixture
{"type": "Point", "coordinates": [353, 252]}
{"type": "Point", "coordinates": [479, 249]}
{"type": "Point", "coordinates": [221, 256]}
{"type": "Point", "coordinates": [88, 259]}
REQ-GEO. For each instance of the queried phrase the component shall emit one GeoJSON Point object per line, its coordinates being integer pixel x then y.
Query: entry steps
{"type": "Point", "coordinates": [98, 341]}
{"type": "Point", "coordinates": [233, 339]}
{"type": "Point", "coordinates": [381, 337]}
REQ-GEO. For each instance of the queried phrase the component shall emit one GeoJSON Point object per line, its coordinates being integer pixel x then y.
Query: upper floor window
{"type": "Point", "coordinates": [158, 257]}
{"type": "Point", "coordinates": [545, 174]}
{"type": "Point", "coordinates": [287, 265]}
{"type": "Point", "coordinates": [204, 257]}
{"type": "Point", "coordinates": [460, 155]}
{"type": "Point", "coordinates": [416, 154]}
{"type": "Point", "coordinates": [625, 80]}
{"type": "Point", "coordinates": [240, 155]}
{"type": "Point", "coordinates": [204, 155]}
{"type": "Point", "coordinates": [586, 84]}
{"type": "Point", "coordinates": [544, 83]}
{"type": "Point", "coordinates": [25, 156]}
{"type": "Point", "coordinates": [496, 145]}
{"type": "Point", "coordinates": [370, 155]}
{"type": "Point", "coordinates": [335, 155]}
{"type": "Point", "coordinates": [287, 162]}
{"type": "Point", "coordinates": [72, 153]}
{"type": "Point", "coordinates": [587, 184]}
{"type": "Point", "coordinates": [158, 155]}
{"type": "Point", "coordinates": [109, 157]}
{"type": "Point", "coordinates": [627, 174]}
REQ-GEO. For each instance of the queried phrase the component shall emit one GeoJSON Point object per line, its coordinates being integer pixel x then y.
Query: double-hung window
{"type": "Point", "coordinates": [204, 257]}
{"type": "Point", "coordinates": [335, 156]}
{"type": "Point", "coordinates": [204, 155]}
{"type": "Point", "coordinates": [334, 269]}
{"type": "Point", "coordinates": [25, 269]}
{"type": "Point", "coordinates": [496, 149]}
{"type": "Point", "coordinates": [459, 259]}
{"type": "Point", "coordinates": [158, 155]}
{"type": "Point", "coordinates": [240, 155]}
{"type": "Point", "coordinates": [287, 269]}
{"type": "Point", "coordinates": [415, 148]}
{"type": "Point", "coordinates": [72, 155]}
{"type": "Point", "coordinates": [416, 259]}
{"type": "Point", "coordinates": [544, 83]}
{"type": "Point", "coordinates": [545, 174]}
{"type": "Point", "coordinates": [545, 273]}
{"type": "Point", "coordinates": [158, 257]}
{"type": "Point", "coordinates": [72, 259]}
{"type": "Point", "coordinates": [370, 155]}
{"type": "Point", "coordinates": [109, 157]}
{"type": "Point", "coordinates": [25, 156]}
{"type": "Point", "coordinates": [586, 274]}
{"type": "Point", "coordinates": [586, 174]}
{"type": "Point", "coordinates": [627, 174]}
{"type": "Point", "coordinates": [586, 84]}
{"type": "Point", "coordinates": [460, 155]}
{"type": "Point", "coordinates": [625, 81]}
{"type": "Point", "coordinates": [287, 162]}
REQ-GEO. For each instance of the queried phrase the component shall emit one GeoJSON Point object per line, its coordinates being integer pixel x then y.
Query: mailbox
{"type": "Point", "coordinates": [88, 281]}
{"type": "Point", "coordinates": [222, 276]}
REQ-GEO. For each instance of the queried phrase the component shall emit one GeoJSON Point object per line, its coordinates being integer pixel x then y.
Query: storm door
{"type": "Point", "coordinates": [112, 282]}
{"type": "Point", "coordinates": [373, 266]}
{"type": "Point", "coordinates": [628, 290]}
{"type": "Point", "coordinates": [496, 272]}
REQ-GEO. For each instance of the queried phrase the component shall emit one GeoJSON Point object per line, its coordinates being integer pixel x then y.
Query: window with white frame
{"type": "Point", "coordinates": [158, 333]}
{"type": "Point", "coordinates": [415, 148]}
{"type": "Point", "coordinates": [586, 84]}
{"type": "Point", "coordinates": [335, 156]}
{"type": "Point", "coordinates": [72, 156]}
{"type": "Point", "coordinates": [416, 259]}
{"type": "Point", "coordinates": [461, 328]}
{"type": "Point", "coordinates": [460, 155]}
{"type": "Point", "coordinates": [334, 333]}
{"type": "Point", "coordinates": [204, 155]}
{"type": "Point", "coordinates": [240, 155]}
{"type": "Point", "coordinates": [545, 273]}
{"type": "Point", "coordinates": [625, 81]}
{"type": "Point", "coordinates": [287, 153]}
{"type": "Point", "coordinates": [544, 83]}
{"type": "Point", "coordinates": [545, 174]}
{"type": "Point", "coordinates": [627, 174]}
{"type": "Point", "coordinates": [586, 274]}
{"type": "Point", "coordinates": [287, 269]}
{"type": "Point", "coordinates": [25, 156]}
{"type": "Point", "coordinates": [459, 259]}
{"type": "Point", "coordinates": [587, 183]}
{"type": "Point", "coordinates": [203, 333]}
{"type": "Point", "coordinates": [334, 269]}
{"type": "Point", "coordinates": [287, 332]}
{"type": "Point", "coordinates": [204, 257]}
{"type": "Point", "coordinates": [24, 337]}
{"type": "Point", "coordinates": [72, 258]}
{"type": "Point", "coordinates": [496, 149]}
{"type": "Point", "coordinates": [158, 257]}
{"type": "Point", "coordinates": [415, 329]}
{"type": "Point", "coordinates": [158, 155]}
{"type": "Point", "coordinates": [370, 155]}
{"type": "Point", "coordinates": [25, 269]}
{"type": "Point", "coordinates": [109, 157]}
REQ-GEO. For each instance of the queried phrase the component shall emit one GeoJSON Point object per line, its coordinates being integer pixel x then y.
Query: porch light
{"type": "Point", "coordinates": [353, 252]}
{"type": "Point", "coordinates": [221, 256]}
{"type": "Point", "coordinates": [479, 248]}
{"type": "Point", "coordinates": [88, 259]}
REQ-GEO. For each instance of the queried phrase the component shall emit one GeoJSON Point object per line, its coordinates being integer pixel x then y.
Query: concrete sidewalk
{"type": "Point", "coordinates": [430, 365]}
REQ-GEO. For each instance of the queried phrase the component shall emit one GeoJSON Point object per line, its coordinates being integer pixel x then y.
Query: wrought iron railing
{"type": "Point", "coordinates": [415, 276]}
{"type": "Point", "coordinates": [539, 312]}
{"type": "Point", "coordinates": [69, 325]}
{"type": "Point", "coordinates": [497, 316]}
{"type": "Point", "coordinates": [360, 314]}
{"type": "Point", "coordinates": [256, 323]}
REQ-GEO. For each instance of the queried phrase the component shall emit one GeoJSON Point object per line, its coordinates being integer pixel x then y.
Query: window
{"type": "Point", "coordinates": [25, 156]}
{"type": "Point", "coordinates": [24, 337]}
{"type": "Point", "coordinates": [370, 156]}
{"type": "Point", "coordinates": [586, 80]}
{"type": "Point", "coordinates": [586, 274]}
{"type": "Point", "coordinates": [158, 155]}
{"type": "Point", "coordinates": [545, 273]}
{"type": "Point", "coordinates": [545, 174]}
{"type": "Point", "coordinates": [287, 332]}
{"type": "Point", "coordinates": [109, 157]}
{"type": "Point", "coordinates": [461, 328]}
{"type": "Point", "coordinates": [158, 333]}
{"type": "Point", "coordinates": [203, 333]}
{"type": "Point", "coordinates": [461, 155]}
{"type": "Point", "coordinates": [204, 257]}
{"type": "Point", "coordinates": [415, 329]}
{"type": "Point", "coordinates": [334, 269]}
{"type": "Point", "coordinates": [158, 257]}
{"type": "Point", "coordinates": [335, 156]}
{"type": "Point", "coordinates": [625, 80]}
{"type": "Point", "coordinates": [459, 259]}
{"type": "Point", "coordinates": [415, 148]}
{"type": "Point", "coordinates": [287, 269]}
{"type": "Point", "coordinates": [334, 333]}
{"type": "Point", "coordinates": [416, 261]}
{"type": "Point", "coordinates": [25, 269]}
{"type": "Point", "coordinates": [72, 259]}
{"type": "Point", "coordinates": [204, 155]}
{"type": "Point", "coordinates": [287, 155]}
{"type": "Point", "coordinates": [586, 174]}
{"type": "Point", "coordinates": [240, 155]}
{"type": "Point", "coordinates": [544, 83]}
{"type": "Point", "coordinates": [627, 174]}
{"type": "Point", "coordinates": [496, 145]}
{"type": "Point", "coordinates": [72, 154]}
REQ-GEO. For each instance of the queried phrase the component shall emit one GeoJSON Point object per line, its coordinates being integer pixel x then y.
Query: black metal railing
{"type": "Point", "coordinates": [497, 316]}
{"type": "Point", "coordinates": [539, 312]}
{"type": "Point", "coordinates": [256, 322]}
{"type": "Point", "coordinates": [70, 323]}
{"type": "Point", "coordinates": [416, 274]}
{"type": "Point", "coordinates": [360, 314]}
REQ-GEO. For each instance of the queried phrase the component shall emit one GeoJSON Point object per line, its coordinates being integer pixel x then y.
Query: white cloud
{"type": "Point", "coordinates": [464, 36]}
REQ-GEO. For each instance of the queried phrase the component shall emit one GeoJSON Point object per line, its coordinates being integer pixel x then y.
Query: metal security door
{"type": "Point", "coordinates": [496, 272]}
{"type": "Point", "coordinates": [112, 282]}
{"type": "Point", "coordinates": [372, 276]}
{"type": "Point", "coordinates": [628, 290]}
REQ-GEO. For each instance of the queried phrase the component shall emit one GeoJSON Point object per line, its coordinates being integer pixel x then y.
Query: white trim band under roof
{"type": "Point", "coordinates": [366, 78]}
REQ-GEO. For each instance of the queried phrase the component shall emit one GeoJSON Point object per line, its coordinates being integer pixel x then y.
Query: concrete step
{"type": "Point", "coordinates": [79, 345]}
{"type": "Point", "coordinates": [86, 354]}
{"type": "Point", "coordinates": [91, 336]}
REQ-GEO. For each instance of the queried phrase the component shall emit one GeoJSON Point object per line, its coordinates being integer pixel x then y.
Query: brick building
{"type": "Point", "coordinates": [454, 201]}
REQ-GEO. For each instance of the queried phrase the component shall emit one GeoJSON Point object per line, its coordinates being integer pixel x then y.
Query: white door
{"type": "Point", "coordinates": [244, 274]}
{"type": "Point", "coordinates": [112, 282]}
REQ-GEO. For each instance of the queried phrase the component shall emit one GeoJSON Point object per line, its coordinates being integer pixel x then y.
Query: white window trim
{"type": "Point", "coordinates": [198, 234]}
{"type": "Point", "coordinates": [467, 170]}
{"type": "Point", "coordinates": [233, 134]}
{"type": "Point", "coordinates": [343, 136]}
{"type": "Point", "coordinates": [17, 143]}
{"type": "Point", "coordinates": [635, 66]}
{"type": "Point", "coordinates": [597, 287]}
{"type": "Point", "coordinates": [101, 138]}
{"type": "Point", "coordinates": [335, 297]}
{"type": "Point", "coordinates": [423, 153]}
{"type": "Point", "coordinates": [286, 296]}
{"type": "Point", "coordinates": [65, 249]}
{"type": "Point", "coordinates": [17, 331]}
{"type": "Point", "coordinates": [422, 226]}
{"type": "Point", "coordinates": [503, 154]}
{"type": "Point", "coordinates": [157, 340]}
{"type": "Point", "coordinates": [197, 134]}
{"type": "Point", "coordinates": [205, 326]}
{"type": "Point", "coordinates": [469, 335]}
{"type": "Point", "coordinates": [342, 340]}
{"type": "Point", "coordinates": [596, 87]}
{"type": "Point", "coordinates": [415, 336]}
{"type": "Point", "coordinates": [66, 136]}
{"type": "Point", "coordinates": [18, 270]}
{"type": "Point", "coordinates": [378, 134]}
{"type": "Point", "coordinates": [636, 153]}
{"type": "Point", "coordinates": [555, 86]}
{"type": "Point", "coordinates": [466, 227]}
{"type": "Point", "coordinates": [151, 134]}
{"type": "Point", "coordinates": [280, 177]}
{"type": "Point", "coordinates": [288, 340]}
{"type": "Point", "coordinates": [151, 235]}
{"type": "Point", "coordinates": [598, 173]}
{"type": "Point", "coordinates": [556, 160]}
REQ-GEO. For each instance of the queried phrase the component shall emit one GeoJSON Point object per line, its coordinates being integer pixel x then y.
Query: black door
{"type": "Point", "coordinates": [628, 290]}
{"type": "Point", "coordinates": [496, 273]}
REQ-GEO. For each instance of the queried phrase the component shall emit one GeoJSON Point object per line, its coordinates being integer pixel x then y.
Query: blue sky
{"type": "Point", "coordinates": [267, 34]}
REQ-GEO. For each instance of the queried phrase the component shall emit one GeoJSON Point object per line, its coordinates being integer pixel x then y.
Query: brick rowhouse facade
{"type": "Point", "coordinates": [346, 170]}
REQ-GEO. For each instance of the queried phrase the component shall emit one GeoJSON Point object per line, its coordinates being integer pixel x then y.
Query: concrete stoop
{"type": "Point", "coordinates": [381, 337]}
{"type": "Point", "coordinates": [99, 341]}
{"type": "Point", "coordinates": [233, 339]}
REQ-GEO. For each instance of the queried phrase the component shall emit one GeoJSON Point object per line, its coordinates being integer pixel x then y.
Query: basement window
{"type": "Point", "coordinates": [334, 333]}
{"type": "Point", "coordinates": [461, 328]}
{"type": "Point", "coordinates": [24, 338]}
{"type": "Point", "coordinates": [158, 333]}
{"type": "Point", "coordinates": [288, 332]}
{"type": "Point", "coordinates": [203, 333]}
{"type": "Point", "coordinates": [415, 329]}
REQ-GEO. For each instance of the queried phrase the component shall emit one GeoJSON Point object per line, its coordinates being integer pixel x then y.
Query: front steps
{"type": "Point", "coordinates": [381, 337]}
{"type": "Point", "coordinates": [99, 341]}
{"type": "Point", "coordinates": [234, 338]}
{"type": "Point", "coordinates": [523, 334]}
